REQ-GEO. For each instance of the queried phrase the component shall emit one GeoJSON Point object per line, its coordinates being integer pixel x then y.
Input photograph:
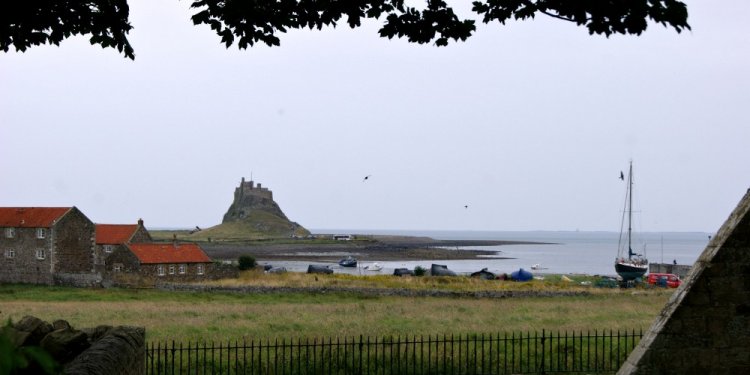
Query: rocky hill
{"type": "Point", "coordinates": [253, 214]}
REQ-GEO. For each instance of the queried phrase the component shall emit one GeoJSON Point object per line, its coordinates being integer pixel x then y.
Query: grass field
{"type": "Point", "coordinates": [203, 316]}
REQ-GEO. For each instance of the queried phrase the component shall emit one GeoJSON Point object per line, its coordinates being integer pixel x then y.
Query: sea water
{"type": "Point", "coordinates": [591, 253]}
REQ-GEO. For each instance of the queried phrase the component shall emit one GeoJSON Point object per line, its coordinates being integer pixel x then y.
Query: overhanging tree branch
{"type": "Point", "coordinates": [557, 16]}
{"type": "Point", "coordinates": [247, 22]}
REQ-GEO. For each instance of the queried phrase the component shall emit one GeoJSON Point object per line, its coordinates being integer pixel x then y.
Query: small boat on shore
{"type": "Point", "coordinates": [521, 275]}
{"type": "Point", "coordinates": [538, 267]}
{"type": "Point", "coordinates": [375, 267]}
{"type": "Point", "coordinates": [349, 261]}
{"type": "Point", "coordinates": [314, 268]}
{"type": "Point", "coordinates": [484, 274]}
{"type": "Point", "coordinates": [441, 270]}
{"type": "Point", "coordinates": [403, 272]}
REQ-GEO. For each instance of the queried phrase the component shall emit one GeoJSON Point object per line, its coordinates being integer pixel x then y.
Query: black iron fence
{"type": "Point", "coordinates": [512, 353]}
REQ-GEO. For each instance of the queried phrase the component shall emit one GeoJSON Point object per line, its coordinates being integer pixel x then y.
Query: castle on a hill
{"type": "Point", "coordinates": [249, 188]}
{"type": "Point", "coordinates": [249, 197]}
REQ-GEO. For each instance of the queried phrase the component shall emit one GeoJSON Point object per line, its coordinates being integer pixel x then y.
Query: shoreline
{"type": "Point", "coordinates": [382, 248]}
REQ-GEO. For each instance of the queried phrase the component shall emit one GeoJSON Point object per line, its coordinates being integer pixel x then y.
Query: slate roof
{"type": "Point", "coordinates": [161, 253]}
{"type": "Point", "coordinates": [114, 234]}
{"type": "Point", "coordinates": [31, 217]}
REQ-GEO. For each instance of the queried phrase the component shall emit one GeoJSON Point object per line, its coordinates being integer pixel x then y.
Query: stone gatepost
{"type": "Point", "coordinates": [705, 326]}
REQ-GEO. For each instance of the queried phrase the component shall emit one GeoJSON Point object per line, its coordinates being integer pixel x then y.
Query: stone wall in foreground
{"type": "Point", "coordinates": [101, 350]}
{"type": "Point", "coordinates": [705, 327]}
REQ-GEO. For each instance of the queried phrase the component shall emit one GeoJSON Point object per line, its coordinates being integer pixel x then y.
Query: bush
{"type": "Point", "coordinates": [419, 271]}
{"type": "Point", "coordinates": [23, 360]}
{"type": "Point", "coordinates": [246, 262]}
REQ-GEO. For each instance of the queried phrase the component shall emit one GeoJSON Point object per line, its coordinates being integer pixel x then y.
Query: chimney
{"type": "Point", "coordinates": [140, 222]}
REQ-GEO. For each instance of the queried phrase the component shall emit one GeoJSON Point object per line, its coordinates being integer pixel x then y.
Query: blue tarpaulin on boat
{"type": "Point", "coordinates": [521, 275]}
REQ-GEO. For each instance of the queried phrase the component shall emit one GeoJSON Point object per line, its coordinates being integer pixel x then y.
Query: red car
{"type": "Point", "coordinates": [664, 279]}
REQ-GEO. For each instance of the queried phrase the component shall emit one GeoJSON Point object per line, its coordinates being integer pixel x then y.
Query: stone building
{"type": "Point", "coordinates": [46, 245]}
{"type": "Point", "coordinates": [110, 237]}
{"type": "Point", "coordinates": [152, 263]}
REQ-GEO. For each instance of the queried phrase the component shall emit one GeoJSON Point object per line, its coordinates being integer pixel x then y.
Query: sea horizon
{"type": "Point", "coordinates": [496, 234]}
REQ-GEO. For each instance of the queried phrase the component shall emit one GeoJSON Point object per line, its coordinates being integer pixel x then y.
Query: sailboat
{"type": "Point", "coordinates": [635, 265]}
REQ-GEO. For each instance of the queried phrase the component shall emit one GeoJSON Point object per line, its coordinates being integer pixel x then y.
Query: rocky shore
{"type": "Point", "coordinates": [383, 248]}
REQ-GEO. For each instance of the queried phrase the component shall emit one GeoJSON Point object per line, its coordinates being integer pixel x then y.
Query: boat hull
{"type": "Point", "coordinates": [630, 271]}
{"type": "Point", "coordinates": [441, 270]}
{"type": "Point", "coordinates": [348, 262]}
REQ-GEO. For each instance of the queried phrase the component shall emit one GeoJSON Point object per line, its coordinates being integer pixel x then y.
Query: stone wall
{"type": "Point", "coordinates": [101, 350]}
{"type": "Point", "coordinates": [379, 292]}
{"type": "Point", "coordinates": [78, 279]}
{"type": "Point", "coordinates": [22, 265]}
{"type": "Point", "coordinates": [705, 326]}
{"type": "Point", "coordinates": [73, 243]}
{"type": "Point", "coordinates": [141, 235]}
{"type": "Point", "coordinates": [680, 270]}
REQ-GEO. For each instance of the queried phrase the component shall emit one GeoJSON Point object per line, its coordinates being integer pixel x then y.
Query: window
{"type": "Point", "coordinates": [108, 248]}
{"type": "Point", "coordinates": [171, 269]}
{"type": "Point", "coordinates": [183, 269]}
{"type": "Point", "coordinates": [10, 253]}
{"type": "Point", "coordinates": [10, 232]}
{"type": "Point", "coordinates": [40, 254]}
{"type": "Point", "coordinates": [117, 267]}
{"type": "Point", "coordinates": [41, 232]}
{"type": "Point", "coordinates": [200, 269]}
{"type": "Point", "coordinates": [160, 270]}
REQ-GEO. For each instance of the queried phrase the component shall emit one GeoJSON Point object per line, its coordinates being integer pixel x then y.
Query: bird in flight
{"type": "Point", "coordinates": [622, 176]}
{"type": "Point", "coordinates": [366, 178]}
{"type": "Point", "coordinates": [466, 206]}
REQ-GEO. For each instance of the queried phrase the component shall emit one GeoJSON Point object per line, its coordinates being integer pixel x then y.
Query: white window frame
{"type": "Point", "coordinates": [10, 253]}
{"type": "Point", "coordinates": [41, 233]}
{"type": "Point", "coordinates": [182, 269]}
{"type": "Point", "coordinates": [171, 269]}
{"type": "Point", "coordinates": [10, 232]}
{"type": "Point", "coordinates": [41, 254]}
{"type": "Point", "coordinates": [160, 270]}
{"type": "Point", "coordinates": [108, 248]}
{"type": "Point", "coordinates": [117, 267]}
{"type": "Point", "coordinates": [200, 269]}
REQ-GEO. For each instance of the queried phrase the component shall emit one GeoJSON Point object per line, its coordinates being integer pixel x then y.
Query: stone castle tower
{"type": "Point", "coordinates": [249, 197]}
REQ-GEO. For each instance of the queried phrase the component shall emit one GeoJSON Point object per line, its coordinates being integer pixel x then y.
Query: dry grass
{"type": "Point", "coordinates": [222, 317]}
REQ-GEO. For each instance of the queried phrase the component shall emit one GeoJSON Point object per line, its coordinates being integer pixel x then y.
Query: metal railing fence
{"type": "Point", "coordinates": [508, 353]}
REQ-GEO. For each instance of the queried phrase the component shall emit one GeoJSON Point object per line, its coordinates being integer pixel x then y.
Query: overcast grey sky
{"type": "Point", "coordinates": [528, 124]}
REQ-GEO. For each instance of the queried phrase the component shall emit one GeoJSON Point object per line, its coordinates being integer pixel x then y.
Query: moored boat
{"type": "Point", "coordinates": [635, 265]}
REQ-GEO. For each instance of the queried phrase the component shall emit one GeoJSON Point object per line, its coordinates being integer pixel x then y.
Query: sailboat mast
{"type": "Point", "coordinates": [630, 209]}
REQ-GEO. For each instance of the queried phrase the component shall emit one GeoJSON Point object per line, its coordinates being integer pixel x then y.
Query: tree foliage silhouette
{"type": "Point", "coordinates": [28, 23]}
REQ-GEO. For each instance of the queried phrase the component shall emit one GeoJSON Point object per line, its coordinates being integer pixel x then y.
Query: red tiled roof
{"type": "Point", "coordinates": [30, 217]}
{"type": "Point", "coordinates": [156, 253]}
{"type": "Point", "coordinates": [114, 234]}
